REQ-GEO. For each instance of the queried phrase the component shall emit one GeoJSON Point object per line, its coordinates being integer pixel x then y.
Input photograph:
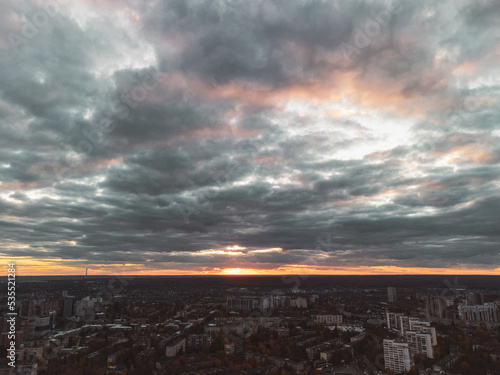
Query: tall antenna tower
{"type": "Point", "coordinates": [87, 280]}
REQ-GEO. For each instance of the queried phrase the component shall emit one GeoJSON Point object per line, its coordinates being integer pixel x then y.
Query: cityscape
{"type": "Point", "coordinates": [184, 325]}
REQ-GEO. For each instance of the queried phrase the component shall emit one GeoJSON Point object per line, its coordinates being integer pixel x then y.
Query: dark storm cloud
{"type": "Point", "coordinates": [166, 133]}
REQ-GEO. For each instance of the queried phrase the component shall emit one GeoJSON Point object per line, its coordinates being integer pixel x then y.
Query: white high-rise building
{"type": "Point", "coordinates": [393, 321]}
{"type": "Point", "coordinates": [424, 328]}
{"type": "Point", "coordinates": [298, 302]}
{"type": "Point", "coordinates": [392, 294]}
{"type": "Point", "coordinates": [404, 324]}
{"type": "Point", "coordinates": [411, 322]}
{"type": "Point", "coordinates": [397, 356]}
{"type": "Point", "coordinates": [416, 321]}
{"type": "Point", "coordinates": [422, 342]}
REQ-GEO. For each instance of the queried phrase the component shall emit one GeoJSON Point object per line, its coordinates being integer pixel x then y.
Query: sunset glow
{"type": "Point", "coordinates": [51, 267]}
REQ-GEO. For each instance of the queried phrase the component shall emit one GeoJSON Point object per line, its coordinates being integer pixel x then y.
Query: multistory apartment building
{"type": "Point", "coordinates": [397, 356]}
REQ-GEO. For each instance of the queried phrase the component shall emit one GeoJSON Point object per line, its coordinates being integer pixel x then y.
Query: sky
{"type": "Point", "coordinates": [250, 137]}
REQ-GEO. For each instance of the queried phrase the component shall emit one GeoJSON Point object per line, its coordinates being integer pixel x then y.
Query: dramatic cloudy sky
{"type": "Point", "coordinates": [235, 136]}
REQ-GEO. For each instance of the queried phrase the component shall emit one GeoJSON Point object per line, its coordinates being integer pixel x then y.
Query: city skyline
{"type": "Point", "coordinates": [232, 137]}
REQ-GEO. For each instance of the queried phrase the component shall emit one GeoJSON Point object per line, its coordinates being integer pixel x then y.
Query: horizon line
{"type": "Point", "coordinates": [254, 275]}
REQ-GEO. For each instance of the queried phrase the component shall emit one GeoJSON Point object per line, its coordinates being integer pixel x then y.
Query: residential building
{"type": "Point", "coordinates": [392, 294]}
{"type": "Point", "coordinates": [48, 306]}
{"type": "Point", "coordinates": [176, 346]}
{"type": "Point", "coordinates": [397, 356]}
{"type": "Point", "coordinates": [475, 298]}
{"type": "Point", "coordinates": [393, 320]}
{"type": "Point", "coordinates": [300, 303]}
{"type": "Point", "coordinates": [404, 324]}
{"type": "Point", "coordinates": [27, 308]}
{"type": "Point", "coordinates": [327, 319]}
{"type": "Point", "coordinates": [479, 313]}
{"type": "Point", "coordinates": [435, 307]}
{"type": "Point", "coordinates": [199, 340]}
{"type": "Point", "coordinates": [422, 342]}
{"type": "Point", "coordinates": [245, 303]}
{"type": "Point", "coordinates": [68, 306]}
{"type": "Point", "coordinates": [422, 328]}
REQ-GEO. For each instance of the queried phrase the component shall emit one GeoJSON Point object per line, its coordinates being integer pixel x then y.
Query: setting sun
{"type": "Point", "coordinates": [238, 271]}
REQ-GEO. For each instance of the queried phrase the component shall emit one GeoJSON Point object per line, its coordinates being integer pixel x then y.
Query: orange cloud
{"type": "Point", "coordinates": [267, 159]}
{"type": "Point", "coordinates": [22, 185]}
{"type": "Point", "coordinates": [469, 154]}
{"type": "Point", "coordinates": [430, 185]}
{"type": "Point", "coordinates": [372, 91]}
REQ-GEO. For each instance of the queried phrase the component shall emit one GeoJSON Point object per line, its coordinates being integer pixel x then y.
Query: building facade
{"type": "Point", "coordinates": [199, 340]}
{"type": "Point", "coordinates": [392, 294]}
{"type": "Point", "coordinates": [241, 303]}
{"type": "Point", "coordinates": [393, 320]}
{"type": "Point", "coordinates": [479, 313]}
{"type": "Point", "coordinates": [397, 356]}
{"type": "Point", "coordinates": [422, 343]}
{"type": "Point", "coordinates": [327, 319]}
{"type": "Point", "coordinates": [177, 346]}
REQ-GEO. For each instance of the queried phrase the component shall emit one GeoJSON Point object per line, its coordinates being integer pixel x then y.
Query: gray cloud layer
{"type": "Point", "coordinates": [345, 133]}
